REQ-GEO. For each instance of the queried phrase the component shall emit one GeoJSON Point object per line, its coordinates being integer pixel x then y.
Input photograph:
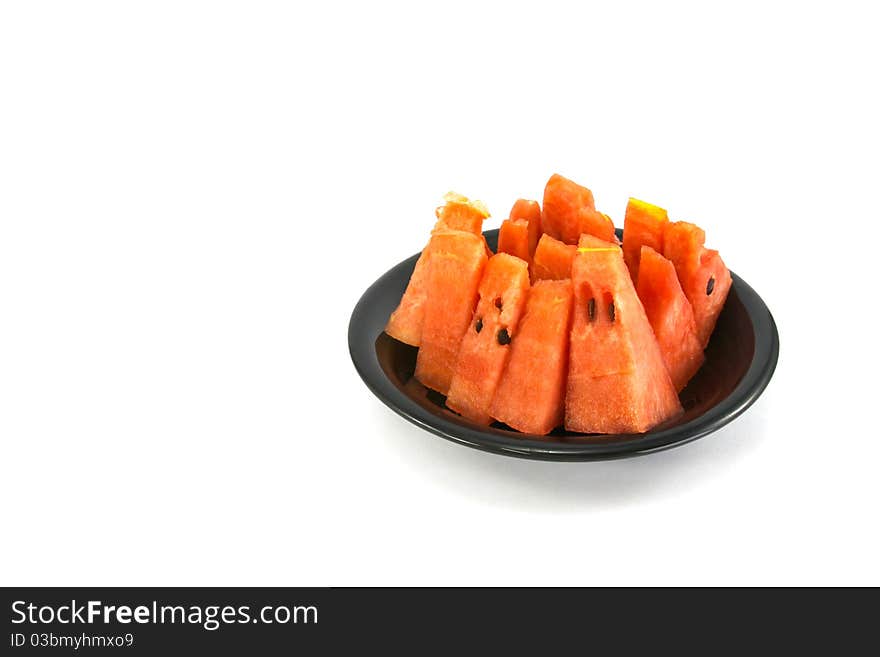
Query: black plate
{"type": "Point", "coordinates": [740, 360]}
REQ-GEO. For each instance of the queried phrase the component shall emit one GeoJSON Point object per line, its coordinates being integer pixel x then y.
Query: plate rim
{"type": "Point", "coordinates": [748, 389]}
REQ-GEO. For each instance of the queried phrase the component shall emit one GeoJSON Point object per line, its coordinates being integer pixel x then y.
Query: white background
{"type": "Point", "coordinates": [193, 196]}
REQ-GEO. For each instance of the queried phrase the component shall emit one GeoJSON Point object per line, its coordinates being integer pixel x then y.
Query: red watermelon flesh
{"type": "Point", "coordinates": [702, 273]}
{"type": "Point", "coordinates": [530, 211]}
{"type": "Point", "coordinates": [459, 213]}
{"type": "Point", "coordinates": [531, 394]}
{"type": "Point", "coordinates": [552, 259]}
{"type": "Point", "coordinates": [670, 315]}
{"type": "Point", "coordinates": [569, 211]}
{"type": "Point", "coordinates": [455, 269]}
{"type": "Point", "coordinates": [592, 242]}
{"type": "Point", "coordinates": [405, 323]}
{"type": "Point", "coordinates": [513, 238]}
{"type": "Point", "coordinates": [643, 225]}
{"type": "Point", "coordinates": [486, 343]}
{"type": "Point", "coordinates": [617, 382]}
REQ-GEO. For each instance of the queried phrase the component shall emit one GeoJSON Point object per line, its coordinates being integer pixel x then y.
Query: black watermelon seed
{"type": "Point", "coordinates": [710, 286]}
{"type": "Point", "coordinates": [503, 337]}
{"type": "Point", "coordinates": [479, 325]}
{"type": "Point", "coordinates": [498, 303]}
{"type": "Point", "coordinates": [611, 311]}
{"type": "Point", "coordinates": [591, 309]}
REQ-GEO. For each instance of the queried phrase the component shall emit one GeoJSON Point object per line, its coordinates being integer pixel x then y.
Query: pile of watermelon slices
{"type": "Point", "coordinates": [563, 326]}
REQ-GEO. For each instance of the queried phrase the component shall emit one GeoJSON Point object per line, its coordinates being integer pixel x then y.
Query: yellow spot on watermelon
{"type": "Point", "coordinates": [584, 249]}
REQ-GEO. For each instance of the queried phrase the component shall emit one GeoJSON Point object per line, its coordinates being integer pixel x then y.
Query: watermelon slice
{"type": "Point", "coordinates": [701, 272]}
{"type": "Point", "coordinates": [670, 315]}
{"type": "Point", "coordinates": [569, 211]}
{"type": "Point", "coordinates": [486, 343]}
{"type": "Point", "coordinates": [643, 225]}
{"type": "Point", "coordinates": [553, 259]}
{"type": "Point", "coordinates": [617, 382]}
{"type": "Point", "coordinates": [530, 211]}
{"type": "Point", "coordinates": [520, 233]}
{"type": "Point", "coordinates": [405, 323]}
{"type": "Point", "coordinates": [531, 394]}
{"type": "Point", "coordinates": [513, 238]}
{"type": "Point", "coordinates": [456, 266]}
{"type": "Point", "coordinates": [460, 213]}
